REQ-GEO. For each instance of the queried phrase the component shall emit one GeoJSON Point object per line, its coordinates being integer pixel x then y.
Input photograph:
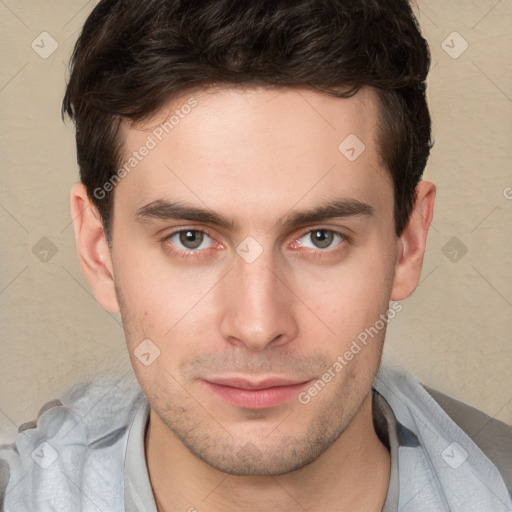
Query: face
{"type": "Point", "coordinates": [252, 250]}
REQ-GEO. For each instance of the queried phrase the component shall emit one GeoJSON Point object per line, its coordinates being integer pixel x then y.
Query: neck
{"type": "Point", "coordinates": [353, 473]}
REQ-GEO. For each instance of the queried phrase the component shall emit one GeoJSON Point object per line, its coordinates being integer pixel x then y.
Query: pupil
{"type": "Point", "coordinates": [191, 239]}
{"type": "Point", "coordinates": [323, 238]}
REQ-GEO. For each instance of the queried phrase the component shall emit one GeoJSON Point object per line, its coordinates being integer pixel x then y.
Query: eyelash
{"type": "Point", "coordinates": [197, 253]}
{"type": "Point", "coordinates": [184, 254]}
{"type": "Point", "coordinates": [330, 251]}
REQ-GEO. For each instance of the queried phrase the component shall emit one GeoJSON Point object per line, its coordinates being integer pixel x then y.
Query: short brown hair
{"type": "Point", "coordinates": [133, 56]}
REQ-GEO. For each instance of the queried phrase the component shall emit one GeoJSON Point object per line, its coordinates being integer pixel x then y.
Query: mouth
{"type": "Point", "coordinates": [252, 394]}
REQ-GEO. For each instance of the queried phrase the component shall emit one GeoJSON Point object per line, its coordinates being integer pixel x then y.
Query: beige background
{"type": "Point", "coordinates": [454, 333]}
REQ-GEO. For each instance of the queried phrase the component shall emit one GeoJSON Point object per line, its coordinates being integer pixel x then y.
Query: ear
{"type": "Point", "coordinates": [92, 248]}
{"type": "Point", "coordinates": [412, 242]}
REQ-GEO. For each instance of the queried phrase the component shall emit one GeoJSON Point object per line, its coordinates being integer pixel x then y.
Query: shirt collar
{"type": "Point", "coordinates": [387, 428]}
{"type": "Point", "coordinates": [138, 495]}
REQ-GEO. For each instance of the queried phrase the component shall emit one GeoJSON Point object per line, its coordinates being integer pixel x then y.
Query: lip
{"type": "Point", "coordinates": [254, 394]}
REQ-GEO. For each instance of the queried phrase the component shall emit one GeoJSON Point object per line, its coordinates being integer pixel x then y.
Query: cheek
{"type": "Point", "coordinates": [156, 295]}
{"type": "Point", "coordinates": [350, 297]}
{"type": "Point", "coordinates": [166, 306]}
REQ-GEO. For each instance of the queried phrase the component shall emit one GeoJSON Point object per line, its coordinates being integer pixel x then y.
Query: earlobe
{"type": "Point", "coordinates": [412, 243]}
{"type": "Point", "coordinates": [92, 248]}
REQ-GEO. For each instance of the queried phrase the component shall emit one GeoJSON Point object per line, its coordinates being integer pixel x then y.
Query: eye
{"type": "Point", "coordinates": [320, 238]}
{"type": "Point", "coordinates": [189, 239]}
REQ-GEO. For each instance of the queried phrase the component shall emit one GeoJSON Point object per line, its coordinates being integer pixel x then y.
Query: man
{"type": "Point", "coordinates": [250, 202]}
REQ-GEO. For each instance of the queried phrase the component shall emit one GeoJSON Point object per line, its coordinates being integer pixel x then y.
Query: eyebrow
{"type": "Point", "coordinates": [338, 208]}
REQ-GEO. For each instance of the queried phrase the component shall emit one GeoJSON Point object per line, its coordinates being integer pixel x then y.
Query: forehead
{"type": "Point", "coordinates": [257, 150]}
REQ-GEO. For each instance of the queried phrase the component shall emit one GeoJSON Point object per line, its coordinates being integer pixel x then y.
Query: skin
{"type": "Point", "coordinates": [255, 156]}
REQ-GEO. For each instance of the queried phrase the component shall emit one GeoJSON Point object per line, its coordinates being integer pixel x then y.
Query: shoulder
{"type": "Point", "coordinates": [492, 436]}
{"type": "Point", "coordinates": [73, 451]}
{"type": "Point", "coordinates": [466, 452]}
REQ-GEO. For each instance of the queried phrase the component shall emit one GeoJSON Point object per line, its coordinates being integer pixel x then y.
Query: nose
{"type": "Point", "coordinates": [259, 307]}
